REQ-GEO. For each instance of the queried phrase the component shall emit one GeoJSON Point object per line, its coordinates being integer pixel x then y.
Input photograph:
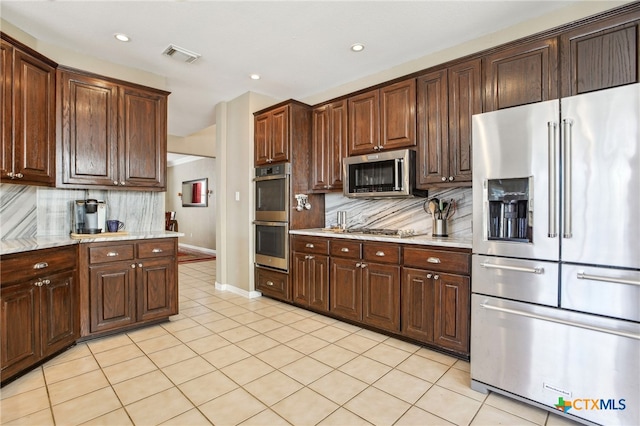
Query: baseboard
{"type": "Point", "coordinates": [235, 290]}
{"type": "Point", "coordinates": [196, 248]}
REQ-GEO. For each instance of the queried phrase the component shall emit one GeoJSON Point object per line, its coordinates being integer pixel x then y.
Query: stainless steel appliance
{"type": "Point", "coordinates": [556, 255]}
{"type": "Point", "coordinates": [384, 174]}
{"type": "Point", "coordinates": [272, 192]}
{"type": "Point", "coordinates": [272, 202]}
{"type": "Point", "coordinates": [89, 216]}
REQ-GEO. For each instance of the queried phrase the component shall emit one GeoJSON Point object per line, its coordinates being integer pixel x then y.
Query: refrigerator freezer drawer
{"type": "Point", "coordinates": [534, 281]}
{"type": "Point", "coordinates": [603, 291]}
{"type": "Point", "coordinates": [544, 354]}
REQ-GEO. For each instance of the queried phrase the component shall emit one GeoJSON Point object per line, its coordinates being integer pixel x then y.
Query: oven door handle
{"type": "Point", "coordinates": [559, 321]}
{"type": "Point", "coordinates": [270, 177]}
{"type": "Point", "coordinates": [535, 270]}
{"type": "Point", "coordinates": [265, 223]}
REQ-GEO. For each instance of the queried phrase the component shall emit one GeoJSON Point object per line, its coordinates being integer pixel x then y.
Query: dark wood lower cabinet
{"type": "Point", "coordinates": [311, 280]}
{"type": "Point", "coordinates": [452, 312]}
{"type": "Point", "coordinates": [345, 289]}
{"type": "Point", "coordinates": [111, 294]}
{"type": "Point", "coordinates": [418, 304]}
{"type": "Point", "coordinates": [381, 296]}
{"type": "Point", "coordinates": [39, 307]}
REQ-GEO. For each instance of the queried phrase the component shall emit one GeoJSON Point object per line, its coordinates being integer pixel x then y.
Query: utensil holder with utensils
{"type": "Point", "coordinates": [441, 211]}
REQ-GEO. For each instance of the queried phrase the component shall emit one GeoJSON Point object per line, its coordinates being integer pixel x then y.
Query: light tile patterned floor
{"type": "Point", "coordinates": [227, 360]}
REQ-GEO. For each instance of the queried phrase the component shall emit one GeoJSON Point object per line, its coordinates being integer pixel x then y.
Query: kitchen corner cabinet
{"type": "Point", "coordinates": [383, 118]}
{"type": "Point", "coordinates": [436, 297]}
{"type": "Point", "coordinates": [311, 272]}
{"type": "Point", "coordinates": [112, 135]}
{"type": "Point", "coordinates": [38, 300]}
{"type": "Point", "coordinates": [523, 74]}
{"type": "Point", "coordinates": [446, 100]}
{"type": "Point", "coordinates": [127, 283]}
{"type": "Point", "coordinates": [329, 146]}
{"type": "Point", "coordinates": [27, 93]}
{"type": "Point", "coordinates": [601, 54]}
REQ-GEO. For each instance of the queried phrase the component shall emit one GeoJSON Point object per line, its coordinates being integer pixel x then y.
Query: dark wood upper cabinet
{"type": "Point", "coordinates": [601, 54]}
{"type": "Point", "coordinates": [446, 100]}
{"type": "Point", "coordinates": [383, 118]}
{"type": "Point", "coordinates": [520, 75]}
{"type": "Point", "coordinates": [272, 136]}
{"type": "Point", "coordinates": [27, 155]}
{"type": "Point", "coordinates": [329, 146]}
{"type": "Point", "coordinates": [112, 135]}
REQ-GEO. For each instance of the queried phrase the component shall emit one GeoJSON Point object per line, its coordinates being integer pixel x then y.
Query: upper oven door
{"type": "Point", "coordinates": [272, 198]}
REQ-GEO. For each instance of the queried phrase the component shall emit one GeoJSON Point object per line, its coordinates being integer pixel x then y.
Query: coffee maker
{"type": "Point", "coordinates": [89, 216]}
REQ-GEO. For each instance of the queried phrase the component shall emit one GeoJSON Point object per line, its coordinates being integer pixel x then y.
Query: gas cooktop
{"type": "Point", "coordinates": [400, 233]}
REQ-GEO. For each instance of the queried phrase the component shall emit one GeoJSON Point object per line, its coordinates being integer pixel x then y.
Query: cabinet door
{"type": "Point", "coordinates": [464, 101]}
{"type": "Point", "coordinates": [398, 115]}
{"type": "Point", "coordinates": [452, 312]}
{"type": "Point", "coordinates": [300, 277]}
{"type": "Point", "coordinates": [6, 148]}
{"type": "Point", "coordinates": [521, 75]}
{"type": "Point", "coordinates": [112, 296]}
{"type": "Point", "coordinates": [433, 128]}
{"type": "Point", "coordinates": [338, 142]}
{"type": "Point", "coordinates": [89, 126]}
{"type": "Point", "coordinates": [319, 282]}
{"type": "Point", "coordinates": [157, 288]}
{"type": "Point", "coordinates": [262, 139]}
{"type": "Point", "coordinates": [20, 331]}
{"type": "Point", "coordinates": [418, 304]}
{"type": "Point", "coordinates": [280, 135]}
{"type": "Point", "coordinates": [364, 122]}
{"type": "Point", "coordinates": [143, 148]}
{"type": "Point", "coordinates": [381, 296]}
{"type": "Point", "coordinates": [601, 55]}
{"type": "Point", "coordinates": [59, 313]}
{"type": "Point", "coordinates": [345, 292]}
{"type": "Point", "coordinates": [320, 148]}
{"type": "Point", "coordinates": [34, 119]}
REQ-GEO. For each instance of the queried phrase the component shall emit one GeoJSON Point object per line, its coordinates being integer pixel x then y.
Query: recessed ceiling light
{"type": "Point", "coordinates": [122, 37]}
{"type": "Point", "coordinates": [255, 76]}
{"type": "Point", "coordinates": [357, 47]}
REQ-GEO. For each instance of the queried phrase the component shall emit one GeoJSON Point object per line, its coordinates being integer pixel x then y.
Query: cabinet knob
{"type": "Point", "coordinates": [375, 148]}
{"type": "Point", "coordinates": [38, 283]}
{"type": "Point", "coordinates": [10, 174]}
{"type": "Point", "coordinates": [46, 282]}
{"type": "Point", "coordinates": [363, 265]}
{"type": "Point", "coordinates": [429, 276]}
{"type": "Point", "coordinates": [113, 254]}
{"type": "Point", "coordinates": [309, 245]}
{"type": "Point", "coordinates": [311, 257]}
{"type": "Point", "coordinates": [115, 182]}
{"type": "Point", "coordinates": [139, 265]}
{"type": "Point", "coordinates": [270, 283]}
{"type": "Point", "coordinates": [133, 266]}
{"type": "Point", "coordinates": [19, 175]}
{"type": "Point", "coordinates": [436, 277]}
{"type": "Point", "coordinates": [380, 147]}
{"type": "Point", "coordinates": [451, 178]}
{"type": "Point", "coordinates": [358, 264]}
{"type": "Point", "coordinates": [444, 179]}
{"type": "Point", "coordinates": [344, 250]}
{"type": "Point", "coordinates": [121, 183]}
{"type": "Point", "coordinates": [41, 265]}
{"type": "Point", "coordinates": [380, 253]}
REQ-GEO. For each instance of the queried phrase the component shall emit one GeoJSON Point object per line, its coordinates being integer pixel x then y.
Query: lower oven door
{"type": "Point", "coordinates": [272, 244]}
{"type": "Point", "coordinates": [552, 356]}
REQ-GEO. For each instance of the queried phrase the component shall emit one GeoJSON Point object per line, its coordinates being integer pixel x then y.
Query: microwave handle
{"type": "Point", "coordinates": [397, 170]}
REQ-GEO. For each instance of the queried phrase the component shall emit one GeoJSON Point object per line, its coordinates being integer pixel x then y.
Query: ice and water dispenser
{"type": "Point", "coordinates": [509, 213]}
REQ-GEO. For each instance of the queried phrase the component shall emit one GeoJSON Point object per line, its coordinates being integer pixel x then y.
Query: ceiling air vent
{"type": "Point", "coordinates": [181, 54]}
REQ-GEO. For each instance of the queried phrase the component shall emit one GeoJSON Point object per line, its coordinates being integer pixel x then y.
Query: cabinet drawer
{"type": "Point", "coordinates": [37, 263]}
{"type": "Point", "coordinates": [156, 248]}
{"type": "Point", "coordinates": [111, 253]}
{"type": "Point", "coordinates": [346, 249]}
{"type": "Point", "coordinates": [311, 245]}
{"type": "Point", "coordinates": [438, 260]}
{"type": "Point", "coordinates": [272, 283]}
{"type": "Point", "coordinates": [381, 253]}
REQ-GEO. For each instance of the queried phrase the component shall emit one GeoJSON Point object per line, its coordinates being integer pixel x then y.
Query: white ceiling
{"type": "Point", "coordinates": [300, 48]}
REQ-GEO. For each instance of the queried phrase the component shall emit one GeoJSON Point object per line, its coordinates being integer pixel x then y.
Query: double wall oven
{"type": "Point", "coordinates": [272, 215]}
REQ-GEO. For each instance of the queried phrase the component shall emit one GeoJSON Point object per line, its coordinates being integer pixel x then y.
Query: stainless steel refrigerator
{"type": "Point", "coordinates": [556, 255]}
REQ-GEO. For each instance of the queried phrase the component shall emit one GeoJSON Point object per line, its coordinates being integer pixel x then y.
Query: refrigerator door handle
{"type": "Point", "coordinates": [559, 321]}
{"type": "Point", "coordinates": [536, 270]}
{"type": "Point", "coordinates": [566, 176]}
{"type": "Point", "coordinates": [551, 137]}
{"type": "Point", "coordinates": [583, 276]}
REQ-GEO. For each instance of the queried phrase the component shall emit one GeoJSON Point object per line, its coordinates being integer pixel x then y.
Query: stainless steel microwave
{"type": "Point", "coordinates": [381, 175]}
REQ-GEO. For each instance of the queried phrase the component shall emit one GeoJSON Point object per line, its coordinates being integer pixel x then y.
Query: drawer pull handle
{"type": "Point", "coordinates": [270, 283]}
{"type": "Point", "coordinates": [309, 245]}
{"type": "Point", "coordinates": [41, 265]}
{"type": "Point", "coordinates": [156, 250]}
{"type": "Point", "coordinates": [113, 254]}
{"type": "Point", "coordinates": [344, 250]}
{"type": "Point", "coordinates": [380, 253]}
{"type": "Point", "coordinates": [433, 260]}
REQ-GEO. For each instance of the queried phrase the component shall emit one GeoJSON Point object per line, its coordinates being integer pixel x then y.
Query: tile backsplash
{"type": "Point", "coordinates": [30, 211]}
{"type": "Point", "coordinates": [407, 213]}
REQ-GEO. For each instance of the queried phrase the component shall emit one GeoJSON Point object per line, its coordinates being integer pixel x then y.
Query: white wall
{"type": "Point", "coordinates": [202, 143]}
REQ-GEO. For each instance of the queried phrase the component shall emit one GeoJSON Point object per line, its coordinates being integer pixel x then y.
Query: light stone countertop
{"type": "Point", "coordinates": [424, 240]}
{"type": "Point", "coordinates": [19, 245]}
